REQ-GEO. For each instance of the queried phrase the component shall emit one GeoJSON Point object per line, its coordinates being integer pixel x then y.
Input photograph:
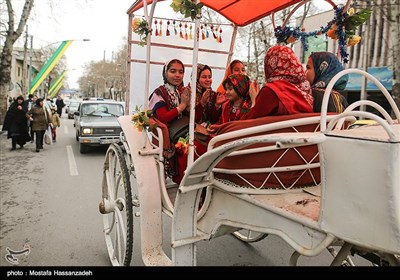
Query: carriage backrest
{"type": "Point", "coordinates": [263, 166]}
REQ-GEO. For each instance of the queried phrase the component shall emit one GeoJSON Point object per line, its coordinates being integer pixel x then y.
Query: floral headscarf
{"type": "Point", "coordinates": [199, 89]}
{"type": "Point", "coordinates": [281, 63]}
{"type": "Point", "coordinates": [241, 84]}
{"type": "Point", "coordinates": [326, 66]}
{"type": "Point", "coordinates": [228, 72]}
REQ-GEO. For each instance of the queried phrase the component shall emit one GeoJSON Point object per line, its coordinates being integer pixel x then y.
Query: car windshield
{"type": "Point", "coordinates": [74, 105]}
{"type": "Point", "coordinates": [102, 110]}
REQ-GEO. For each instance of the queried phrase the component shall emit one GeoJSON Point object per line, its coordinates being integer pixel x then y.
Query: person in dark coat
{"type": "Point", "coordinates": [15, 123]}
{"type": "Point", "coordinates": [40, 118]}
{"type": "Point", "coordinates": [60, 104]}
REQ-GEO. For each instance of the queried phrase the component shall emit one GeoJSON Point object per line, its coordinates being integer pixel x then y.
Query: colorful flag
{"type": "Point", "coordinates": [49, 65]}
{"type": "Point", "coordinates": [56, 83]}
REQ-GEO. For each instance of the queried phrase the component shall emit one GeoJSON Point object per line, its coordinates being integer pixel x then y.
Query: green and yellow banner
{"type": "Point", "coordinates": [56, 85]}
{"type": "Point", "coordinates": [56, 90]}
{"type": "Point", "coordinates": [49, 65]}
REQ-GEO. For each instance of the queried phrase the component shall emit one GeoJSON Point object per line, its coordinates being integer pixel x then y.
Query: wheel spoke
{"type": "Point", "coordinates": [249, 236]}
{"type": "Point", "coordinates": [118, 223]}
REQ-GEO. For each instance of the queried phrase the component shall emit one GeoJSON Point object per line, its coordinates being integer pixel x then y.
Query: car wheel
{"type": "Point", "coordinates": [83, 148]}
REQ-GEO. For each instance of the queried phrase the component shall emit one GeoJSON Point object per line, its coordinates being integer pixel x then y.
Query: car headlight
{"type": "Point", "coordinates": [87, 131]}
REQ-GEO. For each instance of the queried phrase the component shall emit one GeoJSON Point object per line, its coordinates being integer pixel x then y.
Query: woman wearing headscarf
{"type": "Point", "coordinates": [321, 68]}
{"type": "Point", "coordinates": [286, 91]}
{"type": "Point", "coordinates": [237, 88]}
{"type": "Point", "coordinates": [40, 118]}
{"type": "Point", "coordinates": [207, 110]}
{"type": "Point", "coordinates": [15, 123]}
{"type": "Point", "coordinates": [169, 102]}
{"type": "Point", "coordinates": [238, 103]}
{"type": "Point", "coordinates": [235, 67]}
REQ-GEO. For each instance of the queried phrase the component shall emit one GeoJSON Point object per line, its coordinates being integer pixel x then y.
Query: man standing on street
{"type": "Point", "coordinates": [60, 104]}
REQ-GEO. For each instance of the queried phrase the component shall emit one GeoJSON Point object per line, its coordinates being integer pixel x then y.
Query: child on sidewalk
{"type": "Point", "coordinates": [55, 122]}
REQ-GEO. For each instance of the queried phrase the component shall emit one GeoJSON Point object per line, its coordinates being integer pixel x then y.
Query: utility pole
{"type": "Point", "coordinates": [30, 63]}
{"type": "Point", "coordinates": [24, 80]}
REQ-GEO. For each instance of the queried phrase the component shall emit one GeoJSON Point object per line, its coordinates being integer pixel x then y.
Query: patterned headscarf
{"type": "Point", "coordinates": [200, 89]}
{"type": "Point", "coordinates": [326, 65]}
{"type": "Point", "coordinates": [166, 67]}
{"type": "Point", "coordinates": [228, 72]}
{"type": "Point", "coordinates": [200, 69]}
{"type": "Point", "coordinates": [241, 84]}
{"type": "Point", "coordinates": [281, 63]}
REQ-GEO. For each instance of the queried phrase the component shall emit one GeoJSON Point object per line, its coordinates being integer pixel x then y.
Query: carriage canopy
{"type": "Point", "coordinates": [239, 12]}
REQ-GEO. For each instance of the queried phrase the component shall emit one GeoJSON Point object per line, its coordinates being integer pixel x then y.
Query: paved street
{"type": "Point", "coordinates": [47, 208]}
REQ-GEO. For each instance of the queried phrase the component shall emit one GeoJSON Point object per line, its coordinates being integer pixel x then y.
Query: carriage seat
{"type": "Point", "coordinates": [265, 166]}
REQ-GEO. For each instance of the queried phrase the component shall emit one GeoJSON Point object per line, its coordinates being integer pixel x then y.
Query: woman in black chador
{"type": "Point", "coordinates": [15, 123]}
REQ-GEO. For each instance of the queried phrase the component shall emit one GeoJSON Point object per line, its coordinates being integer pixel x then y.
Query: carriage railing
{"type": "Point", "coordinates": [335, 122]}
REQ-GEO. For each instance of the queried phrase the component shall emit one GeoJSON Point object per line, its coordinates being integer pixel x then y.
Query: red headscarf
{"type": "Point", "coordinates": [281, 64]}
{"type": "Point", "coordinates": [285, 79]}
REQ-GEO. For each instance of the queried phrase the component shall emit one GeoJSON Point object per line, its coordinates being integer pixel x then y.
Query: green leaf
{"type": "Point", "coordinates": [355, 20]}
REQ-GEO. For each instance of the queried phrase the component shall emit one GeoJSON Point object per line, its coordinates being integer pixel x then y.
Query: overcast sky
{"type": "Point", "coordinates": [104, 22]}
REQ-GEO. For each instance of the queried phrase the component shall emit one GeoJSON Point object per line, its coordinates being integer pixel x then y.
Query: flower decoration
{"type": "Point", "coordinates": [352, 22]}
{"type": "Point", "coordinates": [342, 27]}
{"type": "Point", "coordinates": [187, 8]}
{"type": "Point", "coordinates": [141, 27]}
{"type": "Point", "coordinates": [141, 118]}
{"type": "Point", "coordinates": [182, 145]}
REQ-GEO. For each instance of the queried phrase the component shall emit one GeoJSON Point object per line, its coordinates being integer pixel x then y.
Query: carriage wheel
{"type": "Point", "coordinates": [117, 198]}
{"type": "Point", "coordinates": [249, 236]}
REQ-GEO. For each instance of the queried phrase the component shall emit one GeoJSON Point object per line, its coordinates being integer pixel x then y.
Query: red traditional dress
{"type": "Point", "coordinates": [287, 90]}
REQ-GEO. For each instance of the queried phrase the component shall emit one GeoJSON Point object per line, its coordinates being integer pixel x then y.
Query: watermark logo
{"type": "Point", "coordinates": [11, 254]}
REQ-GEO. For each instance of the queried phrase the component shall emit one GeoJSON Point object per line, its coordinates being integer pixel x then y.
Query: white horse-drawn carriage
{"type": "Point", "coordinates": [296, 178]}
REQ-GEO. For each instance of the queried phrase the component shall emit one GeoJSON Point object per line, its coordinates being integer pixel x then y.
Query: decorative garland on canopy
{"type": "Point", "coordinates": [184, 29]}
{"type": "Point", "coordinates": [341, 27]}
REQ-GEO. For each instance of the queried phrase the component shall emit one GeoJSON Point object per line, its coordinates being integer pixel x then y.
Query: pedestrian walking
{"type": "Point", "coordinates": [55, 122]}
{"type": "Point", "coordinates": [30, 102]}
{"type": "Point", "coordinates": [60, 105]}
{"type": "Point", "coordinates": [40, 118]}
{"type": "Point", "coordinates": [15, 123]}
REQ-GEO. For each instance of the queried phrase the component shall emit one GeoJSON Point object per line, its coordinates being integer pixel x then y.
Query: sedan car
{"type": "Point", "coordinates": [72, 108]}
{"type": "Point", "coordinates": [96, 123]}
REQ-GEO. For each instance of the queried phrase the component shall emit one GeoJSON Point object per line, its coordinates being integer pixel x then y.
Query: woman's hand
{"type": "Point", "coordinates": [205, 98]}
{"type": "Point", "coordinates": [185, 96]}
{"type": "Point", "coordinates": [211, 129]}
{"type": "Point", "coordinates": [185, 100]}
{"type": "Point", "coordinates": [253, 92]}
{"type": "Point", "coordinates": [221, 98]}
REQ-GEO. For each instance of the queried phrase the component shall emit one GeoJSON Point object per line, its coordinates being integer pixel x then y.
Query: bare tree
{"type": "Point", "coordinates": [106, 79]}
{"type": "Point", "coordinates": [390, 12]}
{"type": "Point", "coordinates": [394, 20]}
{"type": "Point", "coordinates": [11, 34]}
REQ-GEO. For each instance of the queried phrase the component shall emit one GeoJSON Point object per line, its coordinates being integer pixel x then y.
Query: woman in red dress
{"type": "Point", "coordinates": [287, 91]}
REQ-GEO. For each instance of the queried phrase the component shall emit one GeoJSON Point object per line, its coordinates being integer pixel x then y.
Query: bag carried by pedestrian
{"type": "Point", "coordinates": [47, 136]}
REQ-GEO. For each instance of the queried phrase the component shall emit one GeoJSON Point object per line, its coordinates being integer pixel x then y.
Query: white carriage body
{"type": "Point", "coordinates": [361, 187]}
{"type": "Point", "coordinates": [355, 200]}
